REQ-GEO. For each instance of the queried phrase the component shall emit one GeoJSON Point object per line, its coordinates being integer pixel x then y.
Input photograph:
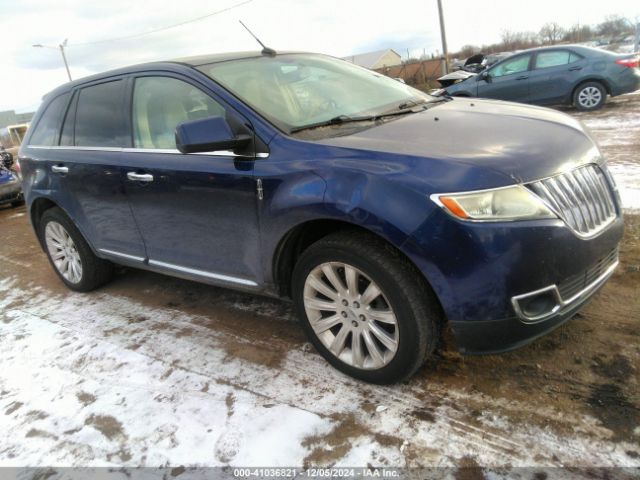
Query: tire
{"type": "Point", "coordinates": [17, 203]}
{"type": "Point", "coordinates": [589, 96]}
{"type": "Point", "coordinates": [59, 236]}
{"type": "Point", "coordinates": [403, 292]}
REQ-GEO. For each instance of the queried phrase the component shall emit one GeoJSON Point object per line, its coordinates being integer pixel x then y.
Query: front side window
{"type": "Point", "coordinates": [556, 58]}
{"type": "Point", "coordinates": [294, 90]}
{"type": "Point", "coordinates": [48, 128]}
{"type": "Point", "coordinates": [509, 67]}
{"type": "Point", "coordinates": [160, 104]}
{"type": "Point", "coordinates": [100, 119]}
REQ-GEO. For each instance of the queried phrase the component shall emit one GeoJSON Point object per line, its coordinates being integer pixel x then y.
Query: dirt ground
{"type": "Point", "coordinates": [152, 370]}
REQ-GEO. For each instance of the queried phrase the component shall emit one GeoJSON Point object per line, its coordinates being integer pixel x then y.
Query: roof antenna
{"type": "Point", "coordinates": [265, 50]}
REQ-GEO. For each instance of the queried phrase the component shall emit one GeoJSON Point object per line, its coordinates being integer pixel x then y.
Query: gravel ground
{"type": "Point", "coordinates": [157, 371]}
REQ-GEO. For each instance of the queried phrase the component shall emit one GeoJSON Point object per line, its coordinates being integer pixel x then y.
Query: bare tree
{"type": "Point", "coordinates": [468, 50]}
{"type": "Point", "coordinates": [508, 39]}
{"type": "Point", "coordinates": [578, 33]}
{"type": "Point", "coordinates": [614, 26]}
{"type": "Point", "coordinates": [551, 33]}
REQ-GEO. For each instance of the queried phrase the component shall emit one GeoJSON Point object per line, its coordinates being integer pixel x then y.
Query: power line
{"type": "Point", "coordinates": [136, 35]}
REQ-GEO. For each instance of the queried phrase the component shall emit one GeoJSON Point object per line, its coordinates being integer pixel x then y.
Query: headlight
{"type": "Point", "coordinates": [510, 203]}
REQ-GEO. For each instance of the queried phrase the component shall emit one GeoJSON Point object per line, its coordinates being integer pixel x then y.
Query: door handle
{"type": "Point", "coordinates": [523, 77]}
{"type": "Point", "coordinates": [59, 169]}
{"type": "Point", "coordinates": [140, 177]}
{"type": "Point", "coordinates": [573, 69]}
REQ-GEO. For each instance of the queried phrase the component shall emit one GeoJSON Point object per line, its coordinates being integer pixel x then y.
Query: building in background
{"type": "Point", "coordinates": [377, 59]}
{"type": "Point", "coordinates": [10, 117]}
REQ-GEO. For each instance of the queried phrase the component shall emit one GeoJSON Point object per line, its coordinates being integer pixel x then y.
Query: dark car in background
{"type": "Point", "coordinates": [573, 74]}
{"type": "Point", "coordinates": [10, 182]}
{"type": "Point", "coordinates": [303, 176]}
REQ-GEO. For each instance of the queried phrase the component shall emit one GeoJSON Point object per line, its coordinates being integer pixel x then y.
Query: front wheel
{"type": "Point", "coordinates": [589, 96]}
{"type": "Point", "coordinates": [70, 254]}
{"type": "Point", "coordinates": [365, 308]}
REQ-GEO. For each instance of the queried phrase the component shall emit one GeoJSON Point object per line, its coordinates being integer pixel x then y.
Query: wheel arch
{"type": "Point", "coordinates": [300, 237]}
{"type": "Point", "coordinates": [37, 208]}
{"type": "Point", "coordinates": [596, 79]}
{"type": "Point", "coordinates": [41, 204]}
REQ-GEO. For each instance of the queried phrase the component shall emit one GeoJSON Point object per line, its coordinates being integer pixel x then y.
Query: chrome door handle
{"type": "Point", "coordinates": [140, 177]}
{"type": "Point", "coordinates": [59, 169]}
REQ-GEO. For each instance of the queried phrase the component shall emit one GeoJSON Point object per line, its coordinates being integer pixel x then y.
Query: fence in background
{"type": "Point", "coordinates": [421, 74]}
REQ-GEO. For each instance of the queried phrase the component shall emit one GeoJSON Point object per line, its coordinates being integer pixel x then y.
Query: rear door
{"type": "Point", "coordinates": [85, 171]}
{"type": "Point", "coordinates": [508, 80]}
{"type": "Point", "coordinates": [553, 75]}
{"type": "Point", "coordinates": [197, 212]}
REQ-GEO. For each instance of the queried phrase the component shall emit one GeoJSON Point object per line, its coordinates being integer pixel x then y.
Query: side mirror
{"type": "Point", "coordinates": [208, 135]}
{"type": "Point", "coordinates": [485, 76]}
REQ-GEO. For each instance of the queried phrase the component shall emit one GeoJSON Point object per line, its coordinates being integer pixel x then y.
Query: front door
{"type": "Point", "coordinates": [197, 212]}
{"type": "Point", "coordinates": [508, 80]}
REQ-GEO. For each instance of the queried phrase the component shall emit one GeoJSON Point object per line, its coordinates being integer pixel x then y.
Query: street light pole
{"type": "Point", "coordinates": [64, 57]}
{"type": "Point", "coordinates": [443, 35]}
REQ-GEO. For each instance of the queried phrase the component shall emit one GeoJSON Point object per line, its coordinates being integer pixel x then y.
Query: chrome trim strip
{"type": "Point", "coordinates": [562, 305]}
{"type": "Point", "coordinates": [123, 255]}
{"type": "Point", "coordinates": [202, 273]}
{"type": "Point", "coordinates": [171, 151]}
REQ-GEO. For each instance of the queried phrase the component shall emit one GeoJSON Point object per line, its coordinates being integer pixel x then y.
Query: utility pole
{"type": "Point", "coordinates": [64, 57]}
{"type": "Point", "coordinates": [443, 34]}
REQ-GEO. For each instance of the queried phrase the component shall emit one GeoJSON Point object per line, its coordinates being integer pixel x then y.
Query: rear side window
{"type": "Point", "coordinates": [554, 59]}
{"type": "Point", "coordinates": [160, 104]}
{"type": "Point", "coordinates": [48, 128]}
{"type": "Point", "coordinates": [100, 119]}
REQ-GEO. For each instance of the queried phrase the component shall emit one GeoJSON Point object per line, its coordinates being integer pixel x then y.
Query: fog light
{"type": "Point", "coordinates": [536, 306]}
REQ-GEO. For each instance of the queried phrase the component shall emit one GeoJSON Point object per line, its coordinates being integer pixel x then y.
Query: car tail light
{"type": "Point", "coordinates": [16, 166]}
{"type": "Point", "coordinates": [633, 62]}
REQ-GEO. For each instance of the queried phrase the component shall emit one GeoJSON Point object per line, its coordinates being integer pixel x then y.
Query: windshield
{"type": "Point", "coordinates": [295, 90]}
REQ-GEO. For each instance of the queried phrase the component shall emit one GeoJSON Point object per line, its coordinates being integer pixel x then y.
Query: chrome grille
{"type": "Point", "coordinates": [582, 198]}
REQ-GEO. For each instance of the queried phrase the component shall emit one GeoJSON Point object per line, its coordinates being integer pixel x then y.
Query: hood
{"type": "Point", "coordinates": [521, 141]}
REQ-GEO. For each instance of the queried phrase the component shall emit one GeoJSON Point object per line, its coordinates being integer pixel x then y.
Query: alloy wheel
{"type": "Point", "coordinates": [351, 316]}
{"type": "Point", "coordinates": [589, 97]}
{"type": "Point", "coordinates": [63, 252]}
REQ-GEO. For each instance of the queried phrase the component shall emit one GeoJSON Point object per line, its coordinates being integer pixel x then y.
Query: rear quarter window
{"type": "Point", "coordinates": [48, 128]}
{"type": "Point", "coordinates": [100, 119]}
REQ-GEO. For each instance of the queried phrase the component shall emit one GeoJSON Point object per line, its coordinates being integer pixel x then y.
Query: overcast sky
{"type": "Point", "coordinates": [336, 27]}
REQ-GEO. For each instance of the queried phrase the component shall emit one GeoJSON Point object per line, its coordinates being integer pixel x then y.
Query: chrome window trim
{"type": "Point", "coordinates": [122, 255]}
{"type": "Point", "coordinates": [562, 305]}
{"type": "Point", "coordinates": [171, 151]}
{"type": "Point", "coordinates": [202, 273]}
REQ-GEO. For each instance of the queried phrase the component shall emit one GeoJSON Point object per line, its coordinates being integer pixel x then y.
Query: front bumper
{"type": "Point", "coordinates": [477, 270]}
{"type": "Point", "coordinates": [497, 336]}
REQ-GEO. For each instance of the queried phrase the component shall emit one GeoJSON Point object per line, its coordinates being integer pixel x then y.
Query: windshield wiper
{"type": "Point", "coordinates": [342, 119]}
{"type": "Point", "coordinates": [402, 109]}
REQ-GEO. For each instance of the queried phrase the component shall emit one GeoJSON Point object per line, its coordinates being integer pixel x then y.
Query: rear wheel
{"type": "Point", "coordinates": [365, 308]}
{"type": "Point", "coordinates": [589, 96]}
{"type": "Point", "coordinates": [70, 255]}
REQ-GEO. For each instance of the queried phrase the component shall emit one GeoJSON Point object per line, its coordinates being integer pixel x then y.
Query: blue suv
{"type": "Point", "coordinates": [303, 176]}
